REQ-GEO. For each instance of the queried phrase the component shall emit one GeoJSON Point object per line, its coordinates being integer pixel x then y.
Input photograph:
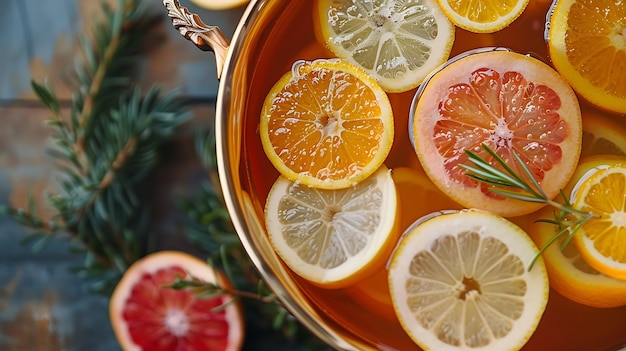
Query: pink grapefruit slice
{"type": "Point", "coordinates": [509, 102]}
{"type": "Point", "coordinates": [148, 315]}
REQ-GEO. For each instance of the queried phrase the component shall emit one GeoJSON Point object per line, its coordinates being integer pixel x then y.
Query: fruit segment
{"type": "Point", "coordinates": [398, 43]}
{"type": "Point", "coordinates": [326, 124]}
{"type": "Point", "coordinates": [512, 103]}
{"type": "Point", "coordinates": [148, 314]}
{"type": "Point", "coordinates": [460, 281]}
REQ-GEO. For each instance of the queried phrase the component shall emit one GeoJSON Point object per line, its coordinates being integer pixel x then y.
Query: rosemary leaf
{"type": "Point", "coordinates": [510, 184]}
{"type": "Point", "coordinates": [518, 195]}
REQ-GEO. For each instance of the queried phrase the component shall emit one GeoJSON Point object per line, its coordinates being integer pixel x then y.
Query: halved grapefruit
{"type": "Point", "coordinates": [148, 315]}
{"type": "Point", "coordinates": [513, 103]}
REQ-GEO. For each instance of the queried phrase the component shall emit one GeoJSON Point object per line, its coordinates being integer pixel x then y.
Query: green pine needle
{"type": "Point", "coordinates": [107, 144]}
{"type": "Point", "coordinates": [505, 181]}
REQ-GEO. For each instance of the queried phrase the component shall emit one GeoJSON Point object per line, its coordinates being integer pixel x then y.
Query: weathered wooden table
{"type": "Point", "coordinates": [43, 306]}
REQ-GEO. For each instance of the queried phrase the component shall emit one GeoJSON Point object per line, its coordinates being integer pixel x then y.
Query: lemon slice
{"type": "Point", "coordinates": [483, 16]}
{"type": "Point", "coordinates": [326, 124]}
{"type": "Point", "coordinates": [219, 4]}
{"type": "Point", "coordinates": [396, 42]}
{"type": "Point", "coordinates": [333, 238]}
{"type": "Point", "coordinates": [569, 273]}
{"type": "Point", "coordinates": [460, 281]}
{"type": "Point", "coordinates": [602, 240]}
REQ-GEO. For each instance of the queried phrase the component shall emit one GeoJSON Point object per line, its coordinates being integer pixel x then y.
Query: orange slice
{"type": "Point", "coordinates": [602, 134]}
{"type": "Point", "coordinates": [326, 124]}
{"type": "Point", "coordinates": [602, 240]}
{"type": "Point", "coordinates": [417, 196]}
{"type": "Point", "coordinates": [587, 45]}
{"type": "Point", "coordinates": [333, 238]}
{"type": "Point", "coordinates": [460, 281]}
{"type": "Point", "coordinates": [148, 315]}
{"type": "Point", "coordinates": [396, 42]}
{"type": "Point", "coordinates": [569, 273]}
{"type": "Point", "coordinates": [483, 16]}
{"type": "Point", "coordinates": [509, 102]}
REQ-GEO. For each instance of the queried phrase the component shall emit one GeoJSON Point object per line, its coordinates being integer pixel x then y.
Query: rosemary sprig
{"type": "Point", "coordinates": [509, 183]}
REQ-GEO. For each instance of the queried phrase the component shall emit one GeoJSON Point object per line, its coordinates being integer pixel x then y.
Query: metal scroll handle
{"type": "Point", "coordinates": [206, 38]}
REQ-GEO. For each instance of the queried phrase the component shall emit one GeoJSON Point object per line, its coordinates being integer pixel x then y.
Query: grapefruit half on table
{"type": "Point", "coordinates": [146, 314]}
{"type": "Point", "coordinates": [512, 103]}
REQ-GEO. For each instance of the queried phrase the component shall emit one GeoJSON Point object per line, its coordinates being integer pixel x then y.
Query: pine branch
{"type": "Point", "coordinates": [211, 230]}
{"type": "Point", "coordinates": [107, 145]}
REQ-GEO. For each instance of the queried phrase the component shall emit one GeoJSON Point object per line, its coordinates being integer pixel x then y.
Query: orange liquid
{"type": "Point", "coordinates": [565, 325]}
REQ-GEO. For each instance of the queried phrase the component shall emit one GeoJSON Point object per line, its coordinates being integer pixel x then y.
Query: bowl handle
{"type": "Point", "coordinates": [206, 38]}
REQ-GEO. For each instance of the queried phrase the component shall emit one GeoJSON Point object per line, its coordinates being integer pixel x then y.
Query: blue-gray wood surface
{"type": "Point", "coordinates": [43, 305]}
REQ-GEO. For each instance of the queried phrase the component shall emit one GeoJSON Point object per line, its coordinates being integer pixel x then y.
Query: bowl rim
{"type": "Point", "coordinates": [292, 299]}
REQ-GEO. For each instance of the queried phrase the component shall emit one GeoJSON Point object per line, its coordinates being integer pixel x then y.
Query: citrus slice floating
{"type": "Point", "coordinates": [602, 134]}
{"type": "Point", "coordinates": [587, 45]}
{"type": "Point", "coordinates": [372, 294]}
{"type": "Point", "coordinates": [460, 281]}
{"type": "Point", "coordinates": [509, 102]}
{"type": "Point", "coordinates": [333, 238]}
{"type": "Point", "coordinates": [396, 42]}
{"type": "Point", "coordinates": [417, 196]}
{"type": "Point", "coordinates": [602, 240]}
{"type": "Point", "coordinates": [147, 315]}
{"type": "Point", "coordinates": [327, 124]}
{"type": "Point", "coordinates": [483, 16]}
{"type": "Point", "coordinates": [569, 273]}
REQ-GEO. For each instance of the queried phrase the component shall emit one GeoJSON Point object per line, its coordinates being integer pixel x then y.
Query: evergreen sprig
{"type": "Point", "coordinates": [507, 182]}
{"type": "Point", "coordinates": [211, 230]}
{"type": "Point", "coordinates": [106, 146]}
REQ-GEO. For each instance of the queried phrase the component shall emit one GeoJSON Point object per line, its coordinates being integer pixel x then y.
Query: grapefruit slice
{"type": "Point", "coordinates": [148, 315]}
{"type": "Point", "coordinates": [510, 102]}
{"type": "Point", "coordinates": [219, 4]}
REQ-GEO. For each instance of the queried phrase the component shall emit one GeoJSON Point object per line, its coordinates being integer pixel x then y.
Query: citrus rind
{"type": "Point", "coordinates": [601, 49]}
{"type": "Point", "coordinates": [602, 134]}
{"type": "Point", "coordinates": [345, 131]}
{"type": "Point", "coordinates": [163, 260]}
{"type": "Point", "coordinates": [473, 18]}
{"type": "Point", "coordinates": [600, 239]}
{"type": "Point", "coordinates": [547, 138]}
{"type": "Point", "coordinates": [568, 273]}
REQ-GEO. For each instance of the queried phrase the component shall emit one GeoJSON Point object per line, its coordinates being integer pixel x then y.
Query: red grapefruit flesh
{"type": "Point", "coordinates": [511, 103]}
{"type": "Point", "coordinates": [147, 315]}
